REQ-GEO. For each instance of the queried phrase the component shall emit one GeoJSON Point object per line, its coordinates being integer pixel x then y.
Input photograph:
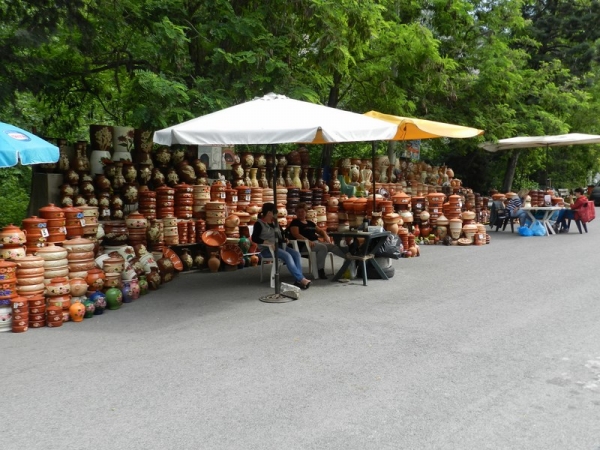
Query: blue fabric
{"type": "Point", "coordinates": [17, 144]}
{"type": "Point", "coordinates": [291, 258]}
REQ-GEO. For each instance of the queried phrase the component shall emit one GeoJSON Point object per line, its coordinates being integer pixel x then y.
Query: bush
{"type": "Point", "coordinates": [15, 185]}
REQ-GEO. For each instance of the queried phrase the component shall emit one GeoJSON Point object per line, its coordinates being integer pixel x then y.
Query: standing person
{"type": "Point", "coordinates": [307, 233]}
{"type": "Point", "coordinates": [515, 205]}
{"type": "Point", "coordinates": [264, 232]}
{"type": "Point", "coordinates": [573, 213]}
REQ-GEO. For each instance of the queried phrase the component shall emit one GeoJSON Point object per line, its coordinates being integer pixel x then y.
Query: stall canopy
{"type": "Point", "coordinates": [18, 145]}
{"type": "Point", "coordinates": [409, 128]}
{"type": "Point", "coordinates": [541, 141]}
{"type": "Point", "coordinates": [276, 119]}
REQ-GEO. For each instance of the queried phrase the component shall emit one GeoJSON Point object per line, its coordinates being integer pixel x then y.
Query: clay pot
{"type": "Point", "coordinates": [51, 252]}
{"type": "Point", "coordinates": [214, 262]}
{"type": "Point", "coordinates": [58, 286]}
{"type": "Point", "coordinates": [78, 244]}
{"type": "Point", "coordinates": [136, 220]}
{"type": "Point", "coordinates": [77, 312]}
{"type": "Point", "coordinates": [51, 211]}
{"type": "Point", "coordinates": [114, 298]}
{"type": "Point", "coordinates": [12, 235]}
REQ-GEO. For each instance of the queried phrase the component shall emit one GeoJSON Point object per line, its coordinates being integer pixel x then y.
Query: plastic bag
{"type": "Point", "coordinates": [392, 248]}
{"type": "Point", "coordinates": [538, 229]}
{"type": "Point", "coordinates": [525, 231]}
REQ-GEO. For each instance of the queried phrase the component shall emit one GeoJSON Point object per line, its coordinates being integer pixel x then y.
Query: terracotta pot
{"type": "Point", "coordinates": [58, 286]}
{"type": "Point", "coordinates": [11, 234]}
{"type": "Point", "coordinates": [51, 211]}
{"type": "Point", "coordinates": [76, 312]}
{"type": "Point", "coordinates": [51, 252]}
{"type": "Point", "coordinates": [95, 279]}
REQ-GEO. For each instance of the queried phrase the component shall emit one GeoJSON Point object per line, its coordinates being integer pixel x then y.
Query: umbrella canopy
{"type": "Point", "coordinates": [541, 141]}
{"type": "Point", "coordinates": [276, 119]}
{"type": "Point", "coordinates": [17, 144]}
{"type": "Point", "coordinates": [410, 129]}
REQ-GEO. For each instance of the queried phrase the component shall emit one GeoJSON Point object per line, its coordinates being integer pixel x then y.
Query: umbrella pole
{"type": "Point", "coordinates": [276, 297]}
{"type": "Point", "coordinates": [373, 150]}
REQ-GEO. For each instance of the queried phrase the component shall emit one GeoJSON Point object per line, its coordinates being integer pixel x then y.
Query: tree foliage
{"type": "Point", "coordinates": [510, 67]}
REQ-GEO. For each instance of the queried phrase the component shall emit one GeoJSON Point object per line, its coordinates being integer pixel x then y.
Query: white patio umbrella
{"type": "Point", "coordinates": [541, 141]}
{"type": "Point", "coordinates": [276, 119]}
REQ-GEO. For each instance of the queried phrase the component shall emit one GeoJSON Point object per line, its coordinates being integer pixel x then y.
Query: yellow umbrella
{"type": "Point", "coordinates": [410, 129]}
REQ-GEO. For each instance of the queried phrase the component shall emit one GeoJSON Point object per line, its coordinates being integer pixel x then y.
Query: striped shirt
{"type": "Point", "coordinates": [513, 204]}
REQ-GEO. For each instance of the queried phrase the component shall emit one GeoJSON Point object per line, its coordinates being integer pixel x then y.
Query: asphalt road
{"type": "Point", "coordinates": [492, 347]}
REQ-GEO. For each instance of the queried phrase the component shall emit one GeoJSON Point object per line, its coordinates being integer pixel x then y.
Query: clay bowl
{"type": "Point", "coordinates": [54, 264]}
{"type": "Point", "coordinates": [49, 274]}
{"type": "Point", "coordinates": [214, 238]}
{"type": "Point", "coordinates": [37, 324]}
{"type": "Point", "coordinates": [19, 329]}
{"type": "Point", "coordinates": [20, 316]}
{"type": "Point", "coordinates": [231, 254]}
{"type": "Point", "coordinates": [34, 289]}
{"type": "Point", "coordinates": [51, 252]}
{"type": "Point", "coordinates": [79, 244]}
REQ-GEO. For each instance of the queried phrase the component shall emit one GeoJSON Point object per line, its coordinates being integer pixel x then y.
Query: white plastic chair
{"type": "Point", "coordinates": [312, 258]}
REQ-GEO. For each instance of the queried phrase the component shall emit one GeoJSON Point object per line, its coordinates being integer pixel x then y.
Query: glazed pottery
{"type": "Point", "coordinates": [90, 308]}
{"type": "Point", "coordinates": [114, 298]}
{"type": "Point", "coordinates": [143, 284]}
{"type": "Point", "coordinates": [99, 300]}
{"type": "Point", "coordinates": [77, 312]}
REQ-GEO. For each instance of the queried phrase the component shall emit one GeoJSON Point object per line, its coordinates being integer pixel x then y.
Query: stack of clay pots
{"type": "Point", "coordinates": [165, 202]}
{"type": "Point", "coordinates": [215, 215]}
{"type": "Point", "coordinates": [435, 204]}
{"type": "Point", "coordinates": [232, 223]}
{"type": "Point", "coordinates": [182, 231]}
{"type": "Point", "coordinates": [20, 314]}
{"type": "Point", "coordinates": [184, 201]}
{"type": "Point", "coordinates": [317, 196]}
{"type": "Point", "coordinates": [201, 195]}
{"type": "Point", "coordinates": [74, 221]}
{"type": "Point", "coordinates": [244, 195]}
{"type": "Point", "coordinates": [267, 195]}
{"type": "Point", "coordinates": [8, 282]}
{"type": "Point", "coordinates": [12, 239]}
{"type": "Point", "coordinates": [217, 191]}
{"type": "Point", "coordinates": [170, 230]}
{"type": "Point", "coordinates": [321, 217]}
{"type": "Point", "coordinates": [113, 268]}
{"type": "Point", "coordinates": [80, 256]}
{"type": "Point", "coordinates": [231, 199]}
{"type": "Point", "coordinates": [55, 261]}
{"type": "Point", "coordinates": [36, 233]}
{"type": "Point", "coordinates": [55, 316]}
{"type": "Point", "coordinates": [30, 276]}
{"type": "Point", "coordinates": [90, 216]}
{"type": "Point", "coordinates": [332, 214]}
{"type": "Point", "coordinates": [136, 225]}
{"type": "Point", "coordinates": [147, 204]}
{"type": "Point", "coordinates": [58, 295]}
{"type": "Point", "coordinates": [256, 195]}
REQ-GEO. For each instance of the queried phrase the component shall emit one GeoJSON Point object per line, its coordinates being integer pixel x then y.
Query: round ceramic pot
{"type": "Point", "coordinates": [12, 252]}
{"type": "Point", "coordinates": [114, 298]}
{"type": "Point", "coordinates": [12, 235]}
{"type": "Point", "coordinates": [51, 252]}
{"type": "Point", "coordinates": [51, 211]}
{"type": "Point", "coordinates": [81, 266]}
{"type": "Point", "coordinates": [115, 265]}
{"type": "Point", "coordinates": [58, 286]}
{"type": "Point", "coordinates": [80, 256]}
{"type": "Point", "coordinates": [136, 220]}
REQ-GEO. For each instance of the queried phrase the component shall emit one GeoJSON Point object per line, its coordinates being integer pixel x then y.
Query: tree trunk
{"type": "Point", "coordinates": [332, 102]}
{"type": "Point", "coordinates": [511, 168]}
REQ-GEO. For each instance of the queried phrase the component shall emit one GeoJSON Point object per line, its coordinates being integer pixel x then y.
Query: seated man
{"type": "Point", "coordinates": [572, 213]}
{"type": "Point", "coordinates": [515, 205]}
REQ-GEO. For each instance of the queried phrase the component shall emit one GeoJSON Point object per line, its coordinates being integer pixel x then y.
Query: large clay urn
{"type": "Point", "coordinates": [455, 228]}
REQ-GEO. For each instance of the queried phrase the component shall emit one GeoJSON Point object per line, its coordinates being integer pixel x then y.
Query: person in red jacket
{"type": "Point", "coordinates": [573, 213]}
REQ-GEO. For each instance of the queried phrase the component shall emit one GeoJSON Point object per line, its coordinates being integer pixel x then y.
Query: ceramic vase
{"type": "Point", "coordinates": [296, 181]}
{"type": "Point", "coordinates": [114, 298]}
{"type": "Point", "coordinates": [77, 312]}
{"type": "Point", "coordinates": [214, 262]}
{"type": "Point", "coordinates": [90, 308]}
{"type": "Point", "coordinates": [99, 300]}
{"type": "Point", "coordinates": [143, 282]}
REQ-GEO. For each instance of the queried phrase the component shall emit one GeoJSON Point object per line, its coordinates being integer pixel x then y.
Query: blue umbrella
{"type": "Point", "coordinates": [17, 144]}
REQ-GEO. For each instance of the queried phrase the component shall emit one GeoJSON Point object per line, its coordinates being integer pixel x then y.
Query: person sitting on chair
{"type": "Point", "coordinates": [570, 214]}
{"type": "Point", "coordinates": [264, 232]}
{"type": "Point", "coordinates": [307, 233]}
{"type": "Point", "coordinates": [515, 205]}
